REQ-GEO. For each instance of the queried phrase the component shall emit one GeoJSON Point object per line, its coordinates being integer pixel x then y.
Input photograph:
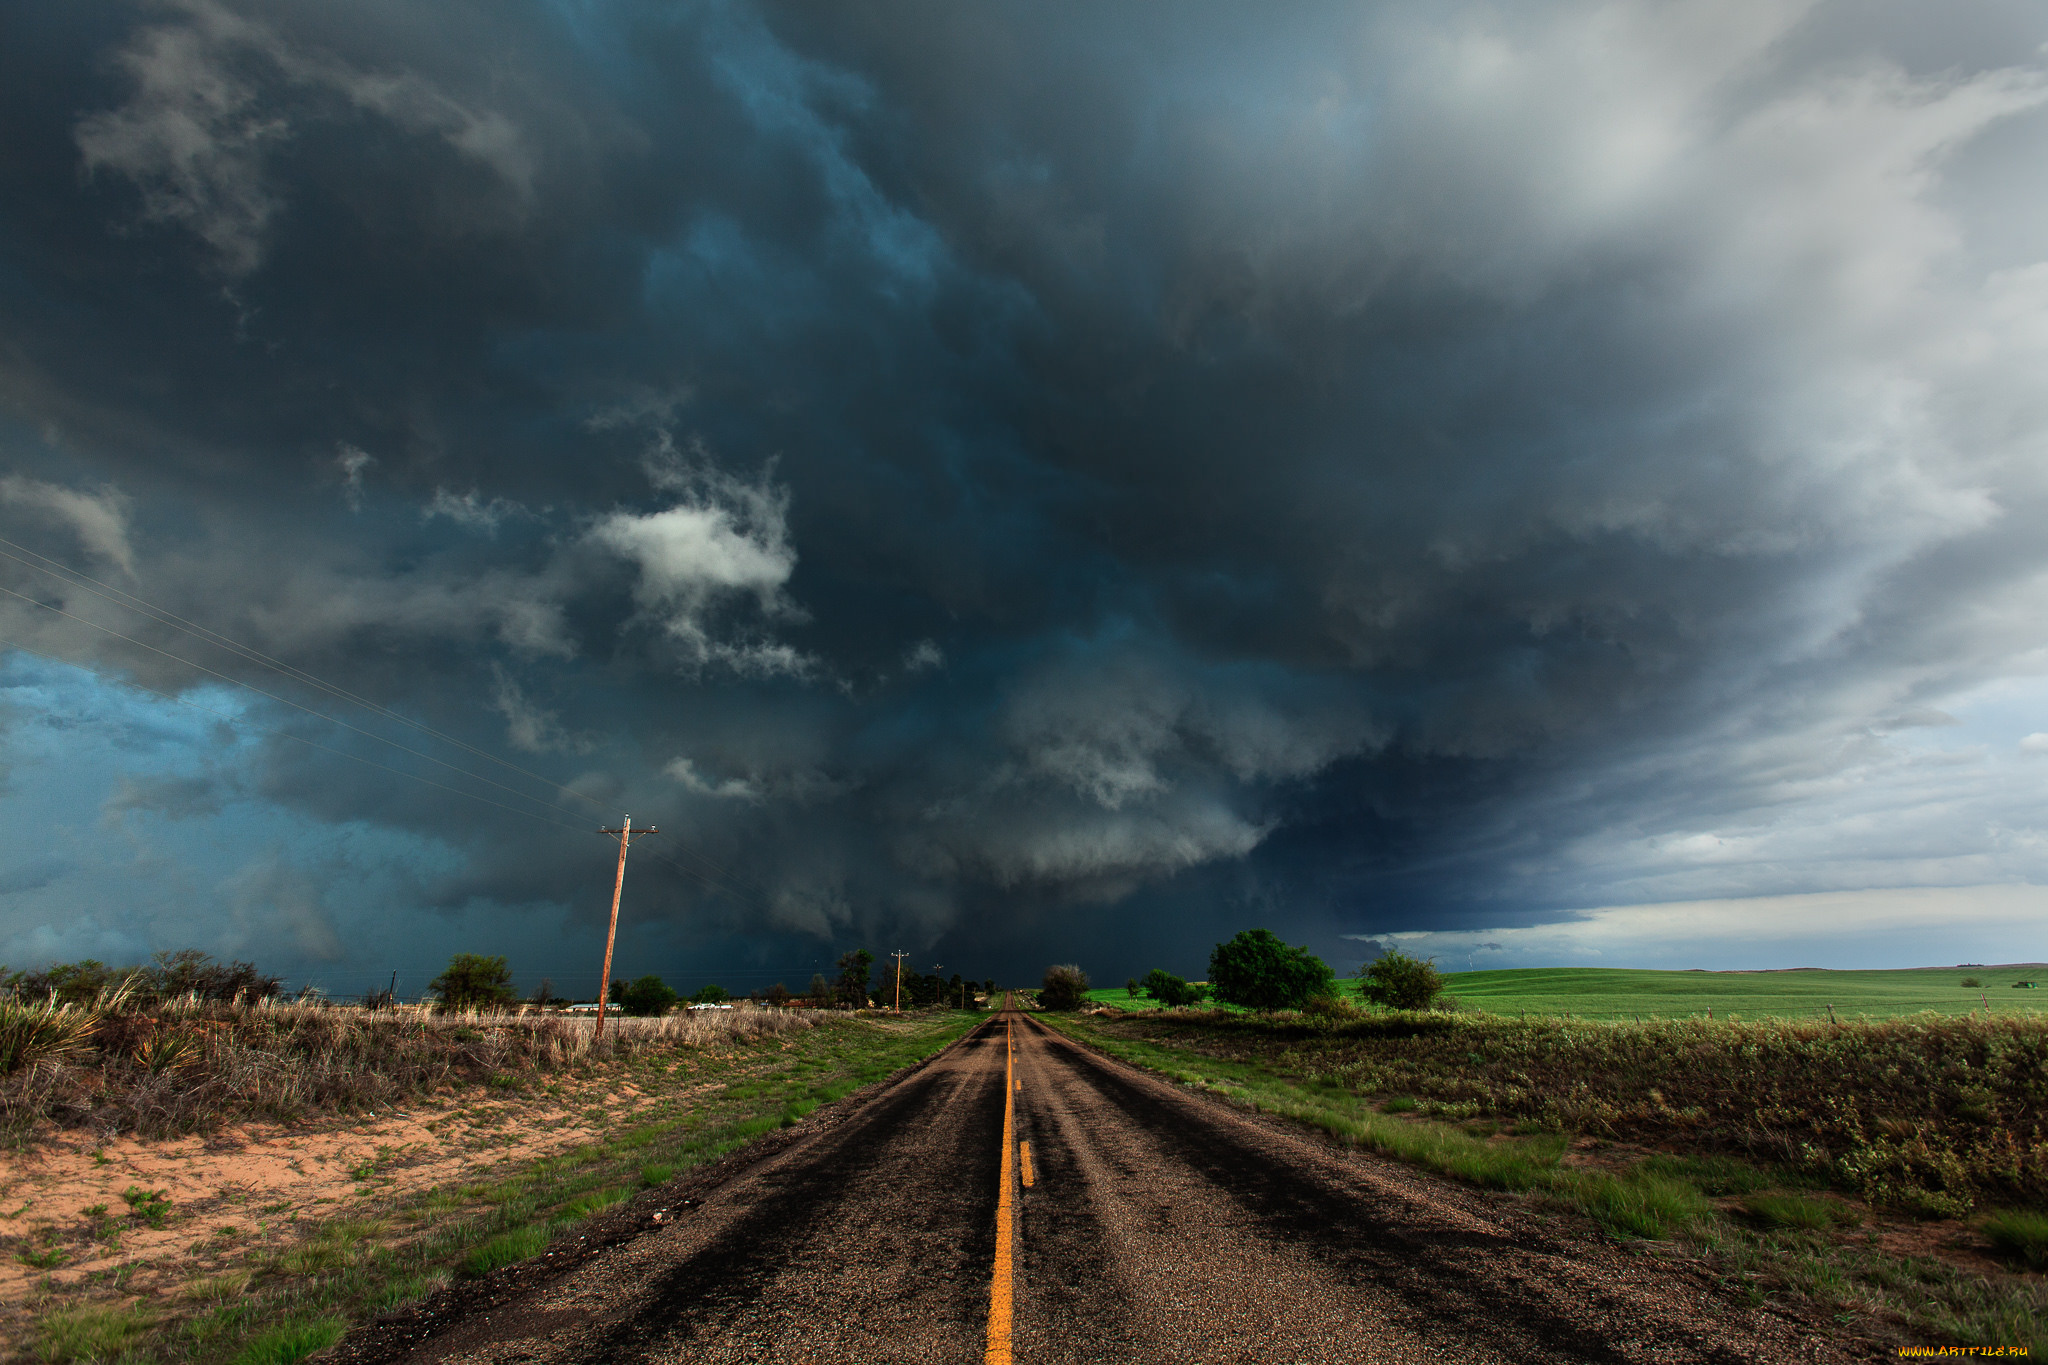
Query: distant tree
{"type": "Point", "coordinates": [1169, 989]}
{"type": "Point", "coordinates": [1065, 988]}
{"type": "Point", "coordinates": [474, 982]}
{"type": "Point", "coordinates": [853, 978]}
{"type": "Point", "coordinates": [1257, 970]}
{"type": "Point", "coordinates": [1400, 982]}
{"type": "Point", "coordinates": [778, 995]}
{"type": "Point", "coordinates": [713, 994]}
{"type": "Point", "coordinates": [821, 990]}
{"type": "Point", "coordinates": [648, 997]}
{"type": "Point", "coordinates": [186, 972]}
{"type": "Point", "coordinates": [543, 994]}
{"type": "Point", "coordinates": [1131, 987]}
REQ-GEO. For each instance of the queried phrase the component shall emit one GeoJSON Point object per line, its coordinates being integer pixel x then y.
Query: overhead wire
{"type": "Point", "coordinates": [311, 744]}
{"type": "Point", "coordinates": [120, 597]}
{"type": "Point", "coordinates": [64, 573]}
{"type": "Point", "coordinates": [719, 877]}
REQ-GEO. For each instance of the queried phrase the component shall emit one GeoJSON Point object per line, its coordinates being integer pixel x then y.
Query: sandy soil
{"type": "Point", "coordinates": [251, 1186]}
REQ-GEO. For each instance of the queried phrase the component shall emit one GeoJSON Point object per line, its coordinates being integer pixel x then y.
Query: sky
{"type": "Point", "coordinates": [1541, 483]}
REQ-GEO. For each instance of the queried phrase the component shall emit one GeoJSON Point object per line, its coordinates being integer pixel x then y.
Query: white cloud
{"type": "Point", "coordinates": [472, 510]}
{"type": "Point", "coordinates": [726, 540]}
{"type": "Point", "coordinates": [529, 727]}
{"type": "Point", "coordinates": [1920, 926]}
{"type": "Point", "coordinates": [923, 655]}
{"type": "Point", "coordinates": [99, 520]}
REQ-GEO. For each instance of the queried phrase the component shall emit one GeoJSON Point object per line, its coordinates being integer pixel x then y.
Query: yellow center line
{"type": "Point", "coordinates": [1024, 1155]}
{"type": "Point", "coordinates": [998, 1352]}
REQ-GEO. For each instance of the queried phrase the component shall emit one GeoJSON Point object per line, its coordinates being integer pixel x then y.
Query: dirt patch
{"type": "Point", "coordinates": [147, 1214]}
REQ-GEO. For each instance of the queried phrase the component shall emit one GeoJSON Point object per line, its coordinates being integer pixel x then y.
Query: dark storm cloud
{"type": "Point", "coordinates": [1133, 470]}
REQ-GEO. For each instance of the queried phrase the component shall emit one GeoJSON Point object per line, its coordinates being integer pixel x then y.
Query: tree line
{"type": "Point", "coordinates": [1258, 970]}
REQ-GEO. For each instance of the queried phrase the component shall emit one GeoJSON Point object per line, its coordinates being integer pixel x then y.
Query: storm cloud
{"type": "Point", "coordinates": [1027, 482]}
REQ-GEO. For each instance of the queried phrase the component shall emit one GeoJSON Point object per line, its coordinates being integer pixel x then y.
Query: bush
{"type": "Point", "coordinates": [1400, 982]}
{"type": "Point", "coordinates": [1064, 988]}
{"type": "Point", "coordinates": [474, 982]}
{"type": "Point", "coordinates": [714, 994]}
{"type": "Point", "coordinates": [1170, 990]}
{"type": "Point", "coordinates": [1257, 970]}
{"type": "Point", "coordinates": [649, 997]}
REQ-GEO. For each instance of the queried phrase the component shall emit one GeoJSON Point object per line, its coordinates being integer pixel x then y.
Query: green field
{"type": "Point", "coordinates": [1623, 993]}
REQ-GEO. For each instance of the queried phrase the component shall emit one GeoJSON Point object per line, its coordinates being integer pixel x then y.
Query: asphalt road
{"type": "Point", "coordinates": [1123, 1218]}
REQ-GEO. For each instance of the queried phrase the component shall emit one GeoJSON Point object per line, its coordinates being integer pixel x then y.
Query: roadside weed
{"type": "Point", "coordinates": [293, 1341]}
{"type": "Point", "coordinates": [2020, 1235]}
{"type": "Point", "coordinates": [91, 1333]}
{"type": "Point", "coordinates": [504, 1249]}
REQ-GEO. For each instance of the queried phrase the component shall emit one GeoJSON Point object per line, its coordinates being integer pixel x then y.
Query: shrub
{"type": "Point", "coordinates": [713, 994]}
{"type": "Point", "coordinates": [474, 982]}
{"type": "Point", "coordinates": [45, 1031]}
{"type": "Point", "coordinates": [1257, 970]}
{"type": "Point", "coordinates": [1400, 982]}
{"type": "Point", "coordinates": [649, 997]}
{"type": "Point", "coordinates": [1064, 988]}
{"type": "Point", "coordinates": [1169, 989]}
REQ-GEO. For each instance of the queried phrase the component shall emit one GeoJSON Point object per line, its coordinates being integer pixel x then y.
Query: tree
{"type": "Point", "coordinates": [821, 990]}
{"type": "Point", "coordinates": [1257, 970]}
{"type": "Point", "coordinates": [648, 997]}
{"type": "Point", "coordinates": [1131, 987]}
{"type": "Point", "coordinates": [778, 995]}
{"type": "Point", "coordinates": [1400, 982]}
{"type": "Point", "coordinates": [1169, 989]}
{"type": "Point", "coordinates": [543, 994]}
{"type": "Point", "coordinates": [474, 982]}
{"type": "Point", "coordinates": [713, 994]}
{"type": "Point", "coordinates": [853, 978]}
{"type": "Point", "coordinates": [1065, 987]}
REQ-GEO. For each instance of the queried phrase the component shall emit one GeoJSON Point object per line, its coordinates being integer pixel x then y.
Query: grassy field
{"type": "Point", "coordinates": [1867, 1169]}
{"type": "Point", "coordinates": [1622, 993]}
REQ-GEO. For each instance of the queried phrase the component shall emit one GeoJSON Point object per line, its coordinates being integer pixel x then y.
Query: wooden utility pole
{"type": "Point", "coordinates": [899, 955]}
{"type": "Point", "coordinates": [604, 983]}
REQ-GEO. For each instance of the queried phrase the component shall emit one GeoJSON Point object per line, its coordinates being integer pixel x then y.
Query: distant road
{"type": "Point", "coordinates": [1144, 1222]}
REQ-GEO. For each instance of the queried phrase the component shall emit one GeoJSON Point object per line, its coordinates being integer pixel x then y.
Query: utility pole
{"type": "Point", "coordinates": [899, 955]}
{"type": "Point", "coordinates": [604, 984]}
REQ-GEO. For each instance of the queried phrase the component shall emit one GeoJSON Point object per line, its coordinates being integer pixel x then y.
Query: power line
{"type": "Point", "coordinates": [311, 744]}
{"type": "Point", "coordinates": [224, 677]}
{"type": "Point", "coordinates": [64, 573]}
{"type": "Point", "coordinates": [722, 877]}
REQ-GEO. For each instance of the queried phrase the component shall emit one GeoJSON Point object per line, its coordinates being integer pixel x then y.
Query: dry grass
{"type": "Point", "coordinates": [193, 1065]}
{"type": "Point", "coordinates": [1928, 1113]}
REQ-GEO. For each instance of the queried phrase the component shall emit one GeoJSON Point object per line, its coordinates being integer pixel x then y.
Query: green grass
{"type": "Point", "coordinates": [1623, 993]}
{"type": "Point", "coordinates": [504, 1249]}
{"type": "Point", "coordinates": [293, 1341]}
{"type": "Point", "coordinates": [1627, 993]}
{"type": "Point", "coordinates": [89, 1333]}
{"type": "Point", "coordinates": [1786, 1240]}
{"type": "Point", "coordinates": [2020, 1235]}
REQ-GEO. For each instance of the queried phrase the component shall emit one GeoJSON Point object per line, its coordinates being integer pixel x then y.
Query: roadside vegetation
{"type": "Point", "coordinates": [700, 1086]}
{"type": "Point", "coordinates": [1797, 1156]}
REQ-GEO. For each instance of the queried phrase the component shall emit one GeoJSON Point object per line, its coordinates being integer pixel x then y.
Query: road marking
{"type": "Point", "coordinates": [998, 1352]}
{"type": "Point", "coordinates": [1024, 1155]}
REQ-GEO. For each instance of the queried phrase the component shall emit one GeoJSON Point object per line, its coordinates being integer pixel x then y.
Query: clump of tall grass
{"type": "Point", "coordinates": [1929, 1112]}
{"type": "Point", "coordinates": [185, 1065]}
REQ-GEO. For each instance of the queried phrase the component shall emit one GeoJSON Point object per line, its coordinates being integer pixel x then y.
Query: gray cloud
{"type": "Point", "coordinates": [1415, 466]}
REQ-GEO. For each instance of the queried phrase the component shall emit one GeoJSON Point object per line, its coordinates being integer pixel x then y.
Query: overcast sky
{"type": "Point", "coordinates": [1023, 483]}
